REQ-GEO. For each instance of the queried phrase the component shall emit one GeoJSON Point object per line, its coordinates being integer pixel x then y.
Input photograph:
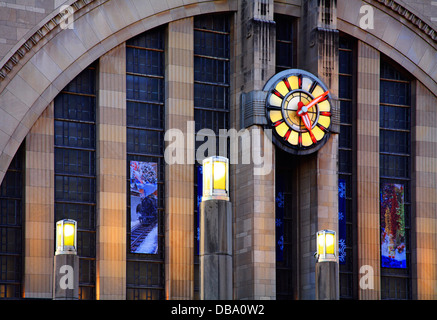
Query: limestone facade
{"type": "Point", "coordinates": [43, 58]}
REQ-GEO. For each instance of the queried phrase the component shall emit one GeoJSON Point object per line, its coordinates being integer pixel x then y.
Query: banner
{"type": "Point", "coordinates": [342, 221]}
{"type": "Point", "coordinates": [279, 221]}
{"type": "Point", "coordinates": [144, 207]}
{"type": "Point", "coordinates": [393, 250]}
{"type": "Point", "coordinates": [199, 200]}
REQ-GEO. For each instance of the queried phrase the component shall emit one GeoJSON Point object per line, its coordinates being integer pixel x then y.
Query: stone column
{"type": "Point", "coordinates": [39, 221]}
{"type": "Point", "coordinates": [252, 192]}
{"type": "Point", "coordinates": [111, 176]}
{"type": "Point", "coordinates": [179, 177]}
{"type": "Point", "coordinates": [318, 200]}
{"type": "Point", "coordinates": [215, 250]}
{"type": "Point", "coordinates": [368, 202]}
{"type": "Point", "coordinates": [424, 195]}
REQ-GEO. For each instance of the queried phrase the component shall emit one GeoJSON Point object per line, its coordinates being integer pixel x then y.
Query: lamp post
{"type": "Point", "coordinates": [327, 278]}
{"type": "Point", "coordinates": [66, 262]}
{"type": "Point", "coordinates": [215, 250]}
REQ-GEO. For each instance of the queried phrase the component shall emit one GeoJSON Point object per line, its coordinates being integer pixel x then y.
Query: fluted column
{"type": "Point", "coordinates": [424, 133]}
{"type": "Point", "coordinates": [111, 176]}
{"type": "Point", "coordinates": [253, 191]}
{"type": "Point", "coordinates": [179, 177]}
{"type": "Point", "coordinates": [368, 202]}
{"type": "Point", "coordinates": [317, 173]}
{"type": "Point", "coordinates": [39, 224]}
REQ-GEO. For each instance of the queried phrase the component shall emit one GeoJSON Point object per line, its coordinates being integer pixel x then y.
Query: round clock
{"type": "Point", "coordinates": [298, 109]}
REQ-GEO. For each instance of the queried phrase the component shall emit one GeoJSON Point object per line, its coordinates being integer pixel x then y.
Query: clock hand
{"type": "Point", "coordinates": [304, 108]}
{"type": "Point", "coordinates": [307, 123]}
{"type": "Point", "coordinates": [316, 100]}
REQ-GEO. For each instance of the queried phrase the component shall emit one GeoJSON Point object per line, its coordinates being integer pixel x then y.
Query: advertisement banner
{"type": "Point", "coordinates": [342, 221]}
{"type": "Point", "coordinates": [144, 207]}
{"type": "Point", "coordinates": [393, 250]}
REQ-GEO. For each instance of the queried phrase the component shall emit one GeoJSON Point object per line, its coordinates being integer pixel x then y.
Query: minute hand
{"type": "Point", "coordinates": [316, 100]}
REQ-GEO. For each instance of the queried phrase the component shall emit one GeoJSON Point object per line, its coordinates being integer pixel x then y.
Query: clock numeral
{"type": "Point", "coordinates": [300, 81]}
{"type": "Point", "coordinates": [277, 93]}
{"type": "Point", "coordinates": [299, 140]}
{"type": "Point", "coordinates": [322, 127]}
{"type": "Point", "coordinates": [325, 113]}
{"type": "Point", "coordinates": [287, 84]}
{"type": "Point", "coordinates": [313, 86]}
{"type": "Point", "coordinates": [287, 134]}
{"type": "Point", "coordinates": [277, 123]}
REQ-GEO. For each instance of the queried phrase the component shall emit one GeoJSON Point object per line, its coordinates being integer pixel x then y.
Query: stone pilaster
{"type": "Point", "coordinates": [424, 196]}
{"type": "Point", "coordinates": [39, 224]}
{"type": "Point", "coordinates": [318, 202]}
{"type": "Point", "coordinates": [111, 176]}
{"type": "Point", "coordinates": [368, 202]}
{"type": "Point", "coordinates": [253, 189]}
{"type": "Point", "coordinates": [179, 178]}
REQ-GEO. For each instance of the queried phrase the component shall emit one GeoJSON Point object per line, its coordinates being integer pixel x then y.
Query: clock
{"type": "Point", "coordinates": [298, 110]}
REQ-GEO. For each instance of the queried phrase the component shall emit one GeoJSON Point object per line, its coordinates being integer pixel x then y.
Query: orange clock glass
{"type": "Point", "coordinates": [298, 109]}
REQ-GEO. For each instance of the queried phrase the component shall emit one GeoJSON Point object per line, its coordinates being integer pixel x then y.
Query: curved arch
{"type": "Point", "coordinates": [398, 33]}
{"type": "Point", "coordinates": [51, 57]}
{"type": "Point", "coordinates": [54, 56]}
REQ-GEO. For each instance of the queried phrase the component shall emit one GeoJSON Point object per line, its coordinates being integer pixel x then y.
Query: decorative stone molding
{"type": "Point", "coordinates": [53, 21]}
{"type": "Point", "coordinates": [252, 109]}
{"type": "Point", "coordinates": [411, 17]}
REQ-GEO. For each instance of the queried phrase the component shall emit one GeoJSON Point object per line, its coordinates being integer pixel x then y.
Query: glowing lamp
{"type": "Point", "coordinates": [66, 231]}
{"type": "Point", "coordinates": [326, 245]}
{"type": "Point", "coordinates": [215, 178]}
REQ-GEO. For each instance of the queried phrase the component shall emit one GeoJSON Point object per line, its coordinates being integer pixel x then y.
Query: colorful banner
{"type": "Point", "coordinates": [144, 207]}
{"type": "Point", "coordinates": [393, 250]}
{"type": "Point", "coordinates": [199, 200]}
{"type": "Point", "coordinates": [279, 221]}
{"type": "Point", "coordinates": [342, 221]}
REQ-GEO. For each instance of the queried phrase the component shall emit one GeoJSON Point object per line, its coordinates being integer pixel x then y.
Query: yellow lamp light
{"type": "Point", "coordinates": [326, 245]}
{"type": "Point", "coordinates": [215, 178]}
{"type": "Point", "coordinates": [66, 236]}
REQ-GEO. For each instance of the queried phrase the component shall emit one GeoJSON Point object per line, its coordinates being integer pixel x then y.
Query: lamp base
{"type": "Point", "coordinates": [66, 277]}
{"type": "Point", "coordinates": [215, 250]}
{"type": "Point", "coordinates": [327, 280]}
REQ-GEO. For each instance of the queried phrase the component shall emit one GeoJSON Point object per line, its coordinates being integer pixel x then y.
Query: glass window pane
{"type": "Point", "coordinates": [345, 62]}
{"type": "Point", "coordinates": [145, 124]}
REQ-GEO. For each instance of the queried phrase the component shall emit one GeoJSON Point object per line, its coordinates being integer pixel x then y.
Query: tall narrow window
{"type": "Point", "coordinates": [211, 94]}
{"type": "Point", "coordinates": [285, 39]}
{"type": "Point", "coordinates": [395, 184]}
{"type": "Point", "coordinates": [345, 161]}
{"type": "Point", "coordinates": [75, 169]}
{"type": "Point", "coordinates": [145, 166]}
{"type": "Point", "coordinates": [11, 228]}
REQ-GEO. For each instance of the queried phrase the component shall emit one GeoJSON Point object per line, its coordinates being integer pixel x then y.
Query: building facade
{"type": "Point", "coordinates": [107, 108]}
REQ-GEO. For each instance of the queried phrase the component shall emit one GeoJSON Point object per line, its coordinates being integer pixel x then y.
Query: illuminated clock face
{"type": "Point", "coordinates": [298, 109]}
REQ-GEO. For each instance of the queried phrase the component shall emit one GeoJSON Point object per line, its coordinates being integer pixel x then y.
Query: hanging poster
{"type": "Point", "coordinates": [342, 221]}
{"type": "Point", "coordinates": [199, 200]}
{"type": "Point", "coordinates": [279, 221]}
{"type": "Point", "coordinates": [144, 207]}
{"type": "Point", "coordinates": [393, 250]}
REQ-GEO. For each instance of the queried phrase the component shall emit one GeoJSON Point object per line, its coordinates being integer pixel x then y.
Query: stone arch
{"type": "Point", "coordinates": [41, 66]}
{"type": "Point", "coordinates": [399, 32]}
